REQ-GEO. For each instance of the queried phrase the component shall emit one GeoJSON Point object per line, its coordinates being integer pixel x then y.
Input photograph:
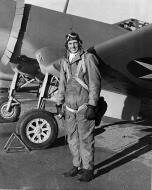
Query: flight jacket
{"type": "Point", "coordinates": [91, 77]}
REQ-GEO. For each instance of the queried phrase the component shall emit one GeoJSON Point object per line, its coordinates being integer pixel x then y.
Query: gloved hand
{"type": "Point", "coordinates": [91, 112]}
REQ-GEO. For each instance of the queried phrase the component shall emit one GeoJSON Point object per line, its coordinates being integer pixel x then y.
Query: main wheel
{"type": "Point", "coordinates": [38, 129]}
{"type": "Point", "coordinates": [9, 116]}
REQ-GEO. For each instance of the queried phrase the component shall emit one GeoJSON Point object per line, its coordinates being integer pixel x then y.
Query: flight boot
{"type": "Point", "coordinates": [72, 172]}
{"type": "Point", "coordinates": [86, 176]}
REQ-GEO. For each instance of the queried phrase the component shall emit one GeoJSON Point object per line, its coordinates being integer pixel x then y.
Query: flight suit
{"type": "Point", "coordinates": [77, 89]}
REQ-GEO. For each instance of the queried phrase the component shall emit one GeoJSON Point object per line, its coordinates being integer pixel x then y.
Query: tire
{"type": "Point", "coordinates": [12, 115]}
{"type": "Point", "coordinates": [38, 129]}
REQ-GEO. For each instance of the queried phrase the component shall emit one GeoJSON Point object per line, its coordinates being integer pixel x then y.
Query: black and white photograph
{"type": "Point", "coordinates": [75, 95]}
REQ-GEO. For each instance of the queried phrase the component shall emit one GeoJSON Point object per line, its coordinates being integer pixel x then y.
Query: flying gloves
{"type": "Point", "coordinates": [91, 112]}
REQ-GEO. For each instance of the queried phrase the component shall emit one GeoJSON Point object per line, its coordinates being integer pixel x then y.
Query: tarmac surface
{"type": "Point", "coordinates": [123, 158]}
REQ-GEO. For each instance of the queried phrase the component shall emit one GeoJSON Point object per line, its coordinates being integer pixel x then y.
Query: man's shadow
{"type": "Point", "coordinates": [141, 147]}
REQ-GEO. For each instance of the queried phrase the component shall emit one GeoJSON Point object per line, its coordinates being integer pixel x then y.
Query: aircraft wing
{"type": "Point", "coordinates": [128, 61]}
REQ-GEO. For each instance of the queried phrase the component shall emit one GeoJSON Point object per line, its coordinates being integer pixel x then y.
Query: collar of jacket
{"type": "Point", "coordinates": [76, 58]}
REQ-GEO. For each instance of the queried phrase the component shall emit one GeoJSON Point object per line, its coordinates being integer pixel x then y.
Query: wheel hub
{"type": "Point", "coordinates": [38, 130]}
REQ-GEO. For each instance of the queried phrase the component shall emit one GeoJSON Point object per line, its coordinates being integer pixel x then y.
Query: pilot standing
{"type": "Point", "coordinates": [79, 90]}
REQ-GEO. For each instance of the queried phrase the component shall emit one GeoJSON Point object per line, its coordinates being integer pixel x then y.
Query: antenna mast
{"type": "Point", "coordinates": [66, 6]}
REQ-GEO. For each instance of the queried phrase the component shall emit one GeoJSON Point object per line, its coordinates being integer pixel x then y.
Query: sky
{"type": "Point", "coordinates": [109, 11]}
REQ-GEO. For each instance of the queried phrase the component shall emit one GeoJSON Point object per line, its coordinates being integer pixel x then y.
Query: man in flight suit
{"type": "Point", "coordinates": [79, 90]}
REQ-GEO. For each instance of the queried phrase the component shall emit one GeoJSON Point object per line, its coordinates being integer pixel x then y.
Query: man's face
{"type": "Point", "coordinates": [73, 46]}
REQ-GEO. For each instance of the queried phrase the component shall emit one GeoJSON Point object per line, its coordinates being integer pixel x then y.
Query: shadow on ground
{"type": "Point", "coordinates": [143, 145]}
